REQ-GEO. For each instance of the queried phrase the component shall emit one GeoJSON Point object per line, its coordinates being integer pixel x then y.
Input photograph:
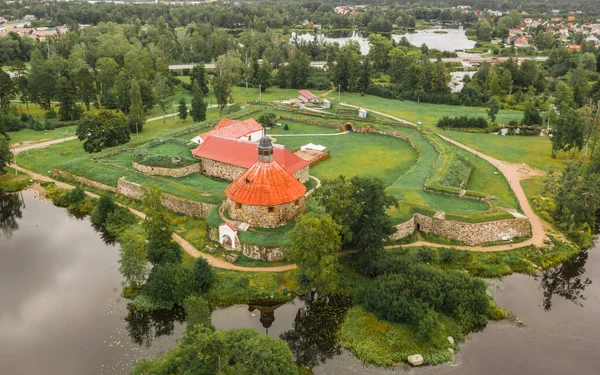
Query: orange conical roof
{"type": "Point", "coordinates": [265, 184]}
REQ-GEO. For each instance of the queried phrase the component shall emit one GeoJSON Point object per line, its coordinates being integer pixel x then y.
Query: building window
{"type": "Point", "coordinates": [238, 206]}
{"type": "Point", "coordinates": [271, 210]}
{"type": "Point", "coordinates": [250, 137]}
{"type": "Point", "coordinates": [297, 202]}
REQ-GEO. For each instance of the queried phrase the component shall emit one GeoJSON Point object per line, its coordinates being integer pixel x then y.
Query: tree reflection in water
{"type": "Point", "coordinates": [11, 205]}
{"type": "Point", "coordinates": [314, 337]}
{"type": "Point", "coordinates": [566, 281]}
{"type": "Point", "coordinates": [145, 326]}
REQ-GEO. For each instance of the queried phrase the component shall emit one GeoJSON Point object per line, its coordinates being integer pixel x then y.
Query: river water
{"type": "Point", "coordinates": [452, 40]}
{"type": "Point", "coordinates": [61, 311]}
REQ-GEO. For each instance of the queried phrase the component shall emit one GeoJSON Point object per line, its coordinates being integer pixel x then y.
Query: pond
{"type": "Point", "coordinates": [441, 39]}
{"type": "Point", "coordinates": [62, 312]}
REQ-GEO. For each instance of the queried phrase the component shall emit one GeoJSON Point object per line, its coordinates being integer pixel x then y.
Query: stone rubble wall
{"type": "Point", "coordinates": [221, 170]}
{"type": "Point", "coordinates": [302, 175]}
{"type": "Point", "coordinates": [259, 216]}
{"type": "Point", "coordinates": [269, 254]}
{"type": "Point", "coordinates": [57, 173]}
{"type": "Point", "coordinates": [171, 172]}
{"type": "Point", "coordinates": [469, 233]}
{"type": "Point", "coordinates": [404, 229]}
{"type": "Point", "coordinates": [171, 202]}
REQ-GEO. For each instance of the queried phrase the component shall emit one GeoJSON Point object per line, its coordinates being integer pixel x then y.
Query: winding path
{"type": "Point", "coordinates": [510, 171]}
{"type": "Point", "coordinates": [513, 176]}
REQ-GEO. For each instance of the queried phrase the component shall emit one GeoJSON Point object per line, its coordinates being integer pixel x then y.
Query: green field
{"type": "Point", "coordinates": [29, 136]}
{"type": "Point", "coordinates": [531, 150]}
{"type": "Point", "coordinates": [426, 113]}
{"type": "Point", "coordinates": [359, 154]}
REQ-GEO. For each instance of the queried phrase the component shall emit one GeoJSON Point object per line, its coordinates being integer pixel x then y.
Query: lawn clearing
{"type": "Point", "coordinates": [426, 113]}
{"type": "Point", "coordinates": [356, 154]}
{"type": "Point", "coordinates": [25, 137]}
{"type": "Point", "coordinates": [531, 150]}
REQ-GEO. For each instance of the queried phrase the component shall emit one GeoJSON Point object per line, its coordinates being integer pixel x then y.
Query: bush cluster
{"type": "Point", "coordinates": [462, 122]}
{"type": "Point", "coordinates": [404, 291]}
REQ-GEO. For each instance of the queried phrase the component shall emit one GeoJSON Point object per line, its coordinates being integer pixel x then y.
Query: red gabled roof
{"type": "Point", "coordinates": [307, 94]}
{"type": "Point", "coordinates": [228, 128]}
{"type": "Point", "coordinates": [265, 184]}
{"type": "Point", "coordinates": [244, 154]}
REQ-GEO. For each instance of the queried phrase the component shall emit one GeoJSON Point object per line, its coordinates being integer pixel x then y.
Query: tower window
{"type": "Point", "coordinates": [238, 206]}
{"type": "Point", "coordinates": [271, 210]}
{"type": "Point", "coordinates": [297, 202]}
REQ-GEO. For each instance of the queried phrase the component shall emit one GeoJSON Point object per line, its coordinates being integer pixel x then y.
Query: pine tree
{"type": "Point", "coordinates": [198, 111]}
{"type": "Point", "coordinates": [183, 111]}
{"type": "Point", "coordinates": [136, 108]}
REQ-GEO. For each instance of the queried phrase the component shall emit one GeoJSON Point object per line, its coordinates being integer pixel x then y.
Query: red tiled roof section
{"type": "Point", "coordinates": [307, 94]}
{"type": "Point", "coordinates": [228, 128]}
{"type": "Point", "coordinates": [265, 184]}
{"type": "Point", "coordinates": [244, 154]}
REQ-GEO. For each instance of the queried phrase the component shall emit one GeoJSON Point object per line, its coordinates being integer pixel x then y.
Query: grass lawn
{"type": "Point", "coordinates": [30, 136]}
{"type": "Point", "coordinates": [426, 113]}
{"type": "Point", "coordinates": [243, 95]}
{"type": "Point", "coordinates": [11, 181]}
{"type": "Point", "coordinates": [359, 154]}
{"type": "Point", "coordinates": [532, 150]}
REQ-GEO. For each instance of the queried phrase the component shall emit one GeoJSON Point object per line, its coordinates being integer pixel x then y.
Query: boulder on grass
{"type": "Point", "coordinates": [415, 360]}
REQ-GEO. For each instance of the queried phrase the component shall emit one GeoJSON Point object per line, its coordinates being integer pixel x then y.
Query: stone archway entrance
{"type": "Point", "coordinates": [418, 227]}
{"type": "Point", "coordinates": [348, 127]}
{"type": "Point", "coordinates": [226, 242]}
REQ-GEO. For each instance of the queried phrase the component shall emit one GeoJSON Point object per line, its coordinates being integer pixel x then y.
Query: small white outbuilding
{"type": "Point", "coordinates": [362, 113]}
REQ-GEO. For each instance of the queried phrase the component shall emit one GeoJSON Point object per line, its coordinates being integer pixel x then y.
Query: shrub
{"type": "Point", "coordinates": [168, 285]}
{"type": "Point", "coordinates": [462, 122]}
{"type": "Point", "coordinates": [100, 213]}
{"type": "Point", "coordinates": [51, 114]}
{"type": "Point", "coordinates": [202, 276]}
{"type": "Point", "coordinates": [268, 119]}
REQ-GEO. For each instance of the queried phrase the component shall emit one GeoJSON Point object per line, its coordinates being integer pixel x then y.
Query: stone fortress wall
{"type": "Point", "coordinates": [221, 170]}
{"type": "Point", "coordinates": [470, 233]}
{"type": "Point", "coordinates": [170, 172]}
{"type": "Point", "coordinates": [260, 217]}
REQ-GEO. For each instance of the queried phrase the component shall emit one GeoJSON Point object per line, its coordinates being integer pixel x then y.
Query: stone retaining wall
{"type": "Point", "coordinates": [469, 233]}
{"type": "Point", "coordinates": [57, 173]}
{"type": "Point", "coordinates": [302, 174]}
{"type": "Point", "coordinates": [171, 202]}
{"type": "Point", "coordinates": [171, 172]}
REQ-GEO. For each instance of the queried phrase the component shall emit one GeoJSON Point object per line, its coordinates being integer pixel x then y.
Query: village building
{"type": "Point", "coordinates": [306, 96]}
{"type": "Point", "coordinates": [247, 130]}
{"type": "Point", "coordinates": [266, 194]}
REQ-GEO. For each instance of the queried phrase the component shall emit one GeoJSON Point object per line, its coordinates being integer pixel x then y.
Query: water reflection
{"type": "Point", "coordinates": [314, 336]}
{"type": "Point", "coordinates": [145, 326]}
{"type": "Point", "coordinates": [566, 281]}
{"type": "Point", "coordinates": [11, 209]}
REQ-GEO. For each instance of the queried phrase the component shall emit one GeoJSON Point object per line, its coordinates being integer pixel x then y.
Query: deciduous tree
{"type": "Point", "coordinates": [314, 246]}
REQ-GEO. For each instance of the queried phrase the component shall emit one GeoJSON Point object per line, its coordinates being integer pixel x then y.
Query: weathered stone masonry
{"type": "Point", "coordinates": [469, 233]}
{"type": "Point", "coordinates": [171, 172]}
{"type": "Point", "coordinates": [221, 170]}
{"type": "Point", "coordinates": [270, 254]}
{"type": "Point", "coordinates": [259, 215]}
{"type": "Point", "coordinates": [171, 202]}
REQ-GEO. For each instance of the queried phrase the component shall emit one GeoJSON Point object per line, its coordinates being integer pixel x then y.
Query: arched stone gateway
{"type": "Point", "coordinates": [227, 236]}
{"type": "Point", "coordinates": [226, 242]}
{"type": "Point", "coordinates": [348, 127]}
{"type": "Point", "coordinates": [418, 227]}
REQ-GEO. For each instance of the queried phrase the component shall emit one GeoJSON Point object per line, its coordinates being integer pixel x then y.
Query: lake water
{"type": "Point", "coordinates": [453, 40]}
{"type": "Point", "coordinates": [61, 311]}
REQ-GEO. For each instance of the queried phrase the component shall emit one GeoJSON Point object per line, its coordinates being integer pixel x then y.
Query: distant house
{"type": "Point", "coordinates": [307, 96]}
{"type": "Point", "coordinates": [247, 130]}
{"type": "Point", "coordinates": [574, 47]}
{"type": "Point", "coordinates": [326, 104]}
{"type": "Point", "coordinates": [2, 20]}
{"type": "Point", "coordinates": [362, 113]}
{"type": "Point", "coordinates": [521, 42]}
{"type": "Point", "coordinates": [29, 17]}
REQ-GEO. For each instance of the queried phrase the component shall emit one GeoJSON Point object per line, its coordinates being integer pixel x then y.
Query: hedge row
{"type": "Point", "coordinates": [462, 122]}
